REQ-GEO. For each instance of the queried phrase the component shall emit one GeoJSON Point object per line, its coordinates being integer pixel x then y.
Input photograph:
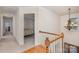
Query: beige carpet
{"type": "Point", "coordinates": [11, 45]}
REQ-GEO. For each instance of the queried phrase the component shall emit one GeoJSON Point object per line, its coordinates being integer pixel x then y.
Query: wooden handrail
{"type": "Point", "coordinates": [49, 42]}
{"type": "Point", "coordinates": [55, 39]}
{"type": "Point", "coordinates": [48, 33]}
{"type": "Point", "coordinates": [61, 36]}
{"type": "Point", "coordinates": [70, 44]}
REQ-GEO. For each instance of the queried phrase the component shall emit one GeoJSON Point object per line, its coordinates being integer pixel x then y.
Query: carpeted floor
{"type": "Point", "coordinates": [11, 45]}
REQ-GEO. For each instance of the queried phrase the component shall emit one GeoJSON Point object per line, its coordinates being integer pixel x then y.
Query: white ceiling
{"type": "Point", "coordinates": [11, 9]}
{"type": "Point", "coordinates": [61, 10]}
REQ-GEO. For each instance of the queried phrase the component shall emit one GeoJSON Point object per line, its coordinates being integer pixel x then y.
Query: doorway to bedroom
{"type": "Point", "coordinates": [29, 30]}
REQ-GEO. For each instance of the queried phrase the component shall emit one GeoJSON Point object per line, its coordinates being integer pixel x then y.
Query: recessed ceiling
{"type": "Point", "coordinates": [61, 10]}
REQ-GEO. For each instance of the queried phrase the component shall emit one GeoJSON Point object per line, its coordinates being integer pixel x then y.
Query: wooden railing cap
{"type": "Point", "coordinates": [48, 33]}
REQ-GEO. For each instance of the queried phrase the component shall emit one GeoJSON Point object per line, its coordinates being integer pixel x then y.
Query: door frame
{"type": "Point", "coordinates": [34, 24]}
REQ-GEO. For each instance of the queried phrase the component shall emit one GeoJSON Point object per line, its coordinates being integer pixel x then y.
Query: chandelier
{"type": "Point", "coordinates": [70, 24]}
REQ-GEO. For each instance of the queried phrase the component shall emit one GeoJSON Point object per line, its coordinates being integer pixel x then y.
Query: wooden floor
{"type": "Point", "coordinates": [36, 49]}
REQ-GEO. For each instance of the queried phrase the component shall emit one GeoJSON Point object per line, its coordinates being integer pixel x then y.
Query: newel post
{"type": "Point", "coordinates": [47, 43]}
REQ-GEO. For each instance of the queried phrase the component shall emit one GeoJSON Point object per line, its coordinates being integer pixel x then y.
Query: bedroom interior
{"type": "Point", "coordinates": [29, 28]}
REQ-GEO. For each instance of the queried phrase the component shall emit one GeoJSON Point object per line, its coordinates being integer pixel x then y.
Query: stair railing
{"type": "Point", "coordinates": [48, 42]}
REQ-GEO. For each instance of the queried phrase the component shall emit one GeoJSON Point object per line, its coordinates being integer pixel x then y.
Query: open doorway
{"type": "Point", "coordinates": [7, 25]}
{"type": "Point", "coordinates": [29, 30]}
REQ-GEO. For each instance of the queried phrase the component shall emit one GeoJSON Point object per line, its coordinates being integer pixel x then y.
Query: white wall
{"type": "Point", "coordinates": [47, 21]}
{"type": "Point", "coordinates": [69, 36]}
{"type": "Point", "coordinates": [17, 26]}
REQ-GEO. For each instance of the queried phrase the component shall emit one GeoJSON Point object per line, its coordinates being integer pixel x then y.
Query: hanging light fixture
{"type": "Point", "coordinates": [69, 24]}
